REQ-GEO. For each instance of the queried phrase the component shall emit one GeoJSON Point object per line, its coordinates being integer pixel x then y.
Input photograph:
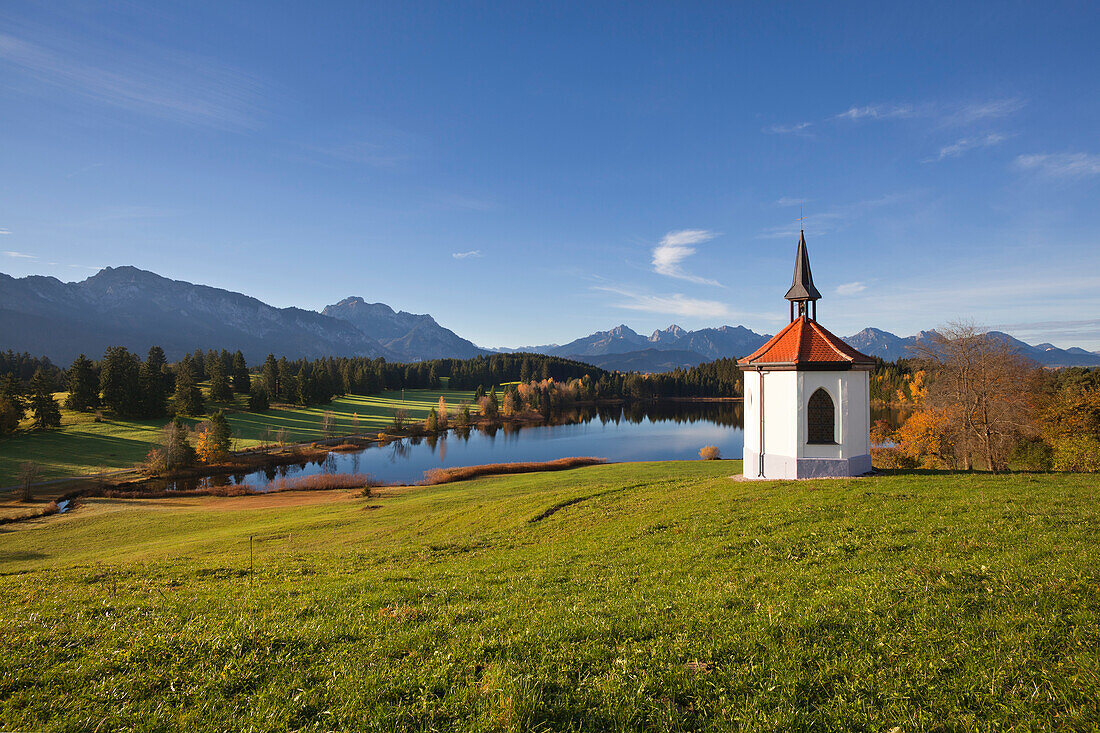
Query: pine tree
{"type": "Point", "coordinates": [188, 398]}
{"type": "Point", "coordinates": [198, 365]}
{"type": "Point", "coordinates": [258, 400]}
{"type": "Point", "coordinates": [118, 381]}
{"type": "Point", "coordinates": [208, 363]}
{"type": "Point", "coordinates": [269, 375]}
{"type": "Point", "coordinates": [242, 382]}
{"type": "Point", "coordinates": [153, 381]}
{"type": "Point", "coordinates": [10, 415]}
{"type": "Point", "coordinates": [301, 386]}
{"type": "Point", "coordinates": [288, 386]}
{"type": "Point", "coordinates": [14, 395]}
{"type": "Point", "coordinates": [47, 414]}
{"type": "Point", "coordinates": [219, 384]}
{"type": "Point", "coordinates": [222, 432]}
{"type": "Point", "coordinates": [83, 385]}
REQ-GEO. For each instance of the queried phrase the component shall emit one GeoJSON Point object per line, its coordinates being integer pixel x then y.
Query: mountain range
{"type": "Point", "coordinates": [135, 308]}
{"type": "Point", "coordinates": [885, 345]}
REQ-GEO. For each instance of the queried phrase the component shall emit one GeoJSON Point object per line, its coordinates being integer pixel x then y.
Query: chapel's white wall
{"type": "Point", "coordinates": [781, 413]}
{"type": "Point", "coordinates": [857, 433]}
{"type": "Point", "coordinates": [752, 414]}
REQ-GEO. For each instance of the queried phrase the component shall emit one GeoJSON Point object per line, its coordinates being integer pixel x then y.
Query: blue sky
{"type": "Point", "coordinates": [531, 173]}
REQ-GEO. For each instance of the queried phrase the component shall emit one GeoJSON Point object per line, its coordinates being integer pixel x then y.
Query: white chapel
{"type": "Point", "coordinates": [807, 396]}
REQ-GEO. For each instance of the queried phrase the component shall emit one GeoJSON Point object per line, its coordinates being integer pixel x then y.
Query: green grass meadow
{"type": "Point", "coordinates": [651, 596]}
{"type": "Point", "coordinates": [82, 446]}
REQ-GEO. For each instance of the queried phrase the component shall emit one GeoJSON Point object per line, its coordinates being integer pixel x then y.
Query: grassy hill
{"type": "Point", "coordinates": [660, 596]}
{"type": "Point", "coordinates": [83, 446]}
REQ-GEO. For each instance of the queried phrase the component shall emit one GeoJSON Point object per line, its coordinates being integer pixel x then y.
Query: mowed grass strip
{"type": "Point", "coordinates": [82, 446]}
{"type": "Point", "coordinates": [660, 596]}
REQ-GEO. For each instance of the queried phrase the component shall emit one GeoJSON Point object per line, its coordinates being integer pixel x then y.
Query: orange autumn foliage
{"type": "Point", "coordinates": [926, 438]}
{"type": "Point", "coordinates": [206, 447]}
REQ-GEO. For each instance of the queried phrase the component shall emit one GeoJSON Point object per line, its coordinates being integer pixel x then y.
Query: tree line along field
{"type": "Point", "coordinates": [83, 446]}
{"type": "Point", "coordinates": [662, 596]}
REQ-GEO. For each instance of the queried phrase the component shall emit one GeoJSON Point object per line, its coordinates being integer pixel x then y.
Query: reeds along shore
{"type": "Point", "coordinates": [317, 482]}
{"type": "Point", "coordinates": [463, 473]}
{"type": "Point", "coordinates": [45, 511]}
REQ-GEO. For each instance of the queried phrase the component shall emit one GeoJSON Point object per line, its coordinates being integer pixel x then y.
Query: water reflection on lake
{"type": "Point", "coordinates": [659, 431]}
{"type": "Point", "coordinates": [636, 432]}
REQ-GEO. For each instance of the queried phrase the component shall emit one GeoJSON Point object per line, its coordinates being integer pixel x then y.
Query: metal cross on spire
{"type": "Point", "coordinates": [801, 219]}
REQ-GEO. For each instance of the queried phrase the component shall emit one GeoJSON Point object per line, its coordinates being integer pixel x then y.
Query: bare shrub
{"type": "Point", "coordinates": [28, 475]}
{"type": "Point", "coordinates": [978, 381]}
{"type": "Point", "coordinates": [400, 416]}
{"type": "Point", "coordinates": [328, 424]}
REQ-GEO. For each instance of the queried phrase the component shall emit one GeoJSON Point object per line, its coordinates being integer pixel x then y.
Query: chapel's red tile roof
{"type": "Point", "coordinates": [805, 342]}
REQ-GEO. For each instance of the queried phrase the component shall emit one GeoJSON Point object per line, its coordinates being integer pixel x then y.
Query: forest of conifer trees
{"type": "Point", "coordinates": [125, 385]}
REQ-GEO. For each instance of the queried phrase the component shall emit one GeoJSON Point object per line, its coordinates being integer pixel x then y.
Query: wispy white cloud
{"type": "Point", "coordinates": [850, 288]}
{"type": "Point", "coordinates": [878, 112]}
{"type": "Point", "coordinates": [19, 255]}
{"type": "Point", "coordinates": [5, 231]}
{"type": "Point", "coordinates": [149, 80]}
{"type": "Point", "coordinates": [785, 201]}
{"type": "Point", "coordinates": [798, 128]}
{"type": "Point", "coordinates": [1061, 165]}
{"type": "Point", "coordinates": [467, 255]}
{"type": "Point", "coordinates": [675, 304]}
{"type": "Point", "coordinates": [946, 114]}
{"type": "Point", "coordinates": [978, 111]}
{"type": "Point", "coordinates": [674, 248]}
{"type": "Point", "coordinates": [678, 304]}
{"type": "Point", "coordinates": [964, 144]}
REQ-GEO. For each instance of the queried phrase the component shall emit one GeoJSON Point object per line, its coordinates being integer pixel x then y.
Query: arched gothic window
{"type": "Point", "coordinates": [819, 417]}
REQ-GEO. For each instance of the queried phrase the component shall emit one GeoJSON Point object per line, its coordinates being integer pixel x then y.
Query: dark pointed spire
{"type": "Point", "coordinates": [802, 289]}
{"type": "Point", "coordinates": [802, 286]}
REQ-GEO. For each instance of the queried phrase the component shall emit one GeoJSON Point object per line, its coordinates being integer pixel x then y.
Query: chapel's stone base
{"type": "Point", "coordinates": [786, 467]}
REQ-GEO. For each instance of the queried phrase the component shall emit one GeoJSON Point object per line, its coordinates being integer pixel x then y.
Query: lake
{"type": "Point", "coordinates": [637, 432]}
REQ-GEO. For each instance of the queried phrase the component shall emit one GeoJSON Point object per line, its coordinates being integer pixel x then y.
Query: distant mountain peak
{"type": "Point", "coordinates": [672, 332]}
{"type": "Point", "coordinates": [412, 336]}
